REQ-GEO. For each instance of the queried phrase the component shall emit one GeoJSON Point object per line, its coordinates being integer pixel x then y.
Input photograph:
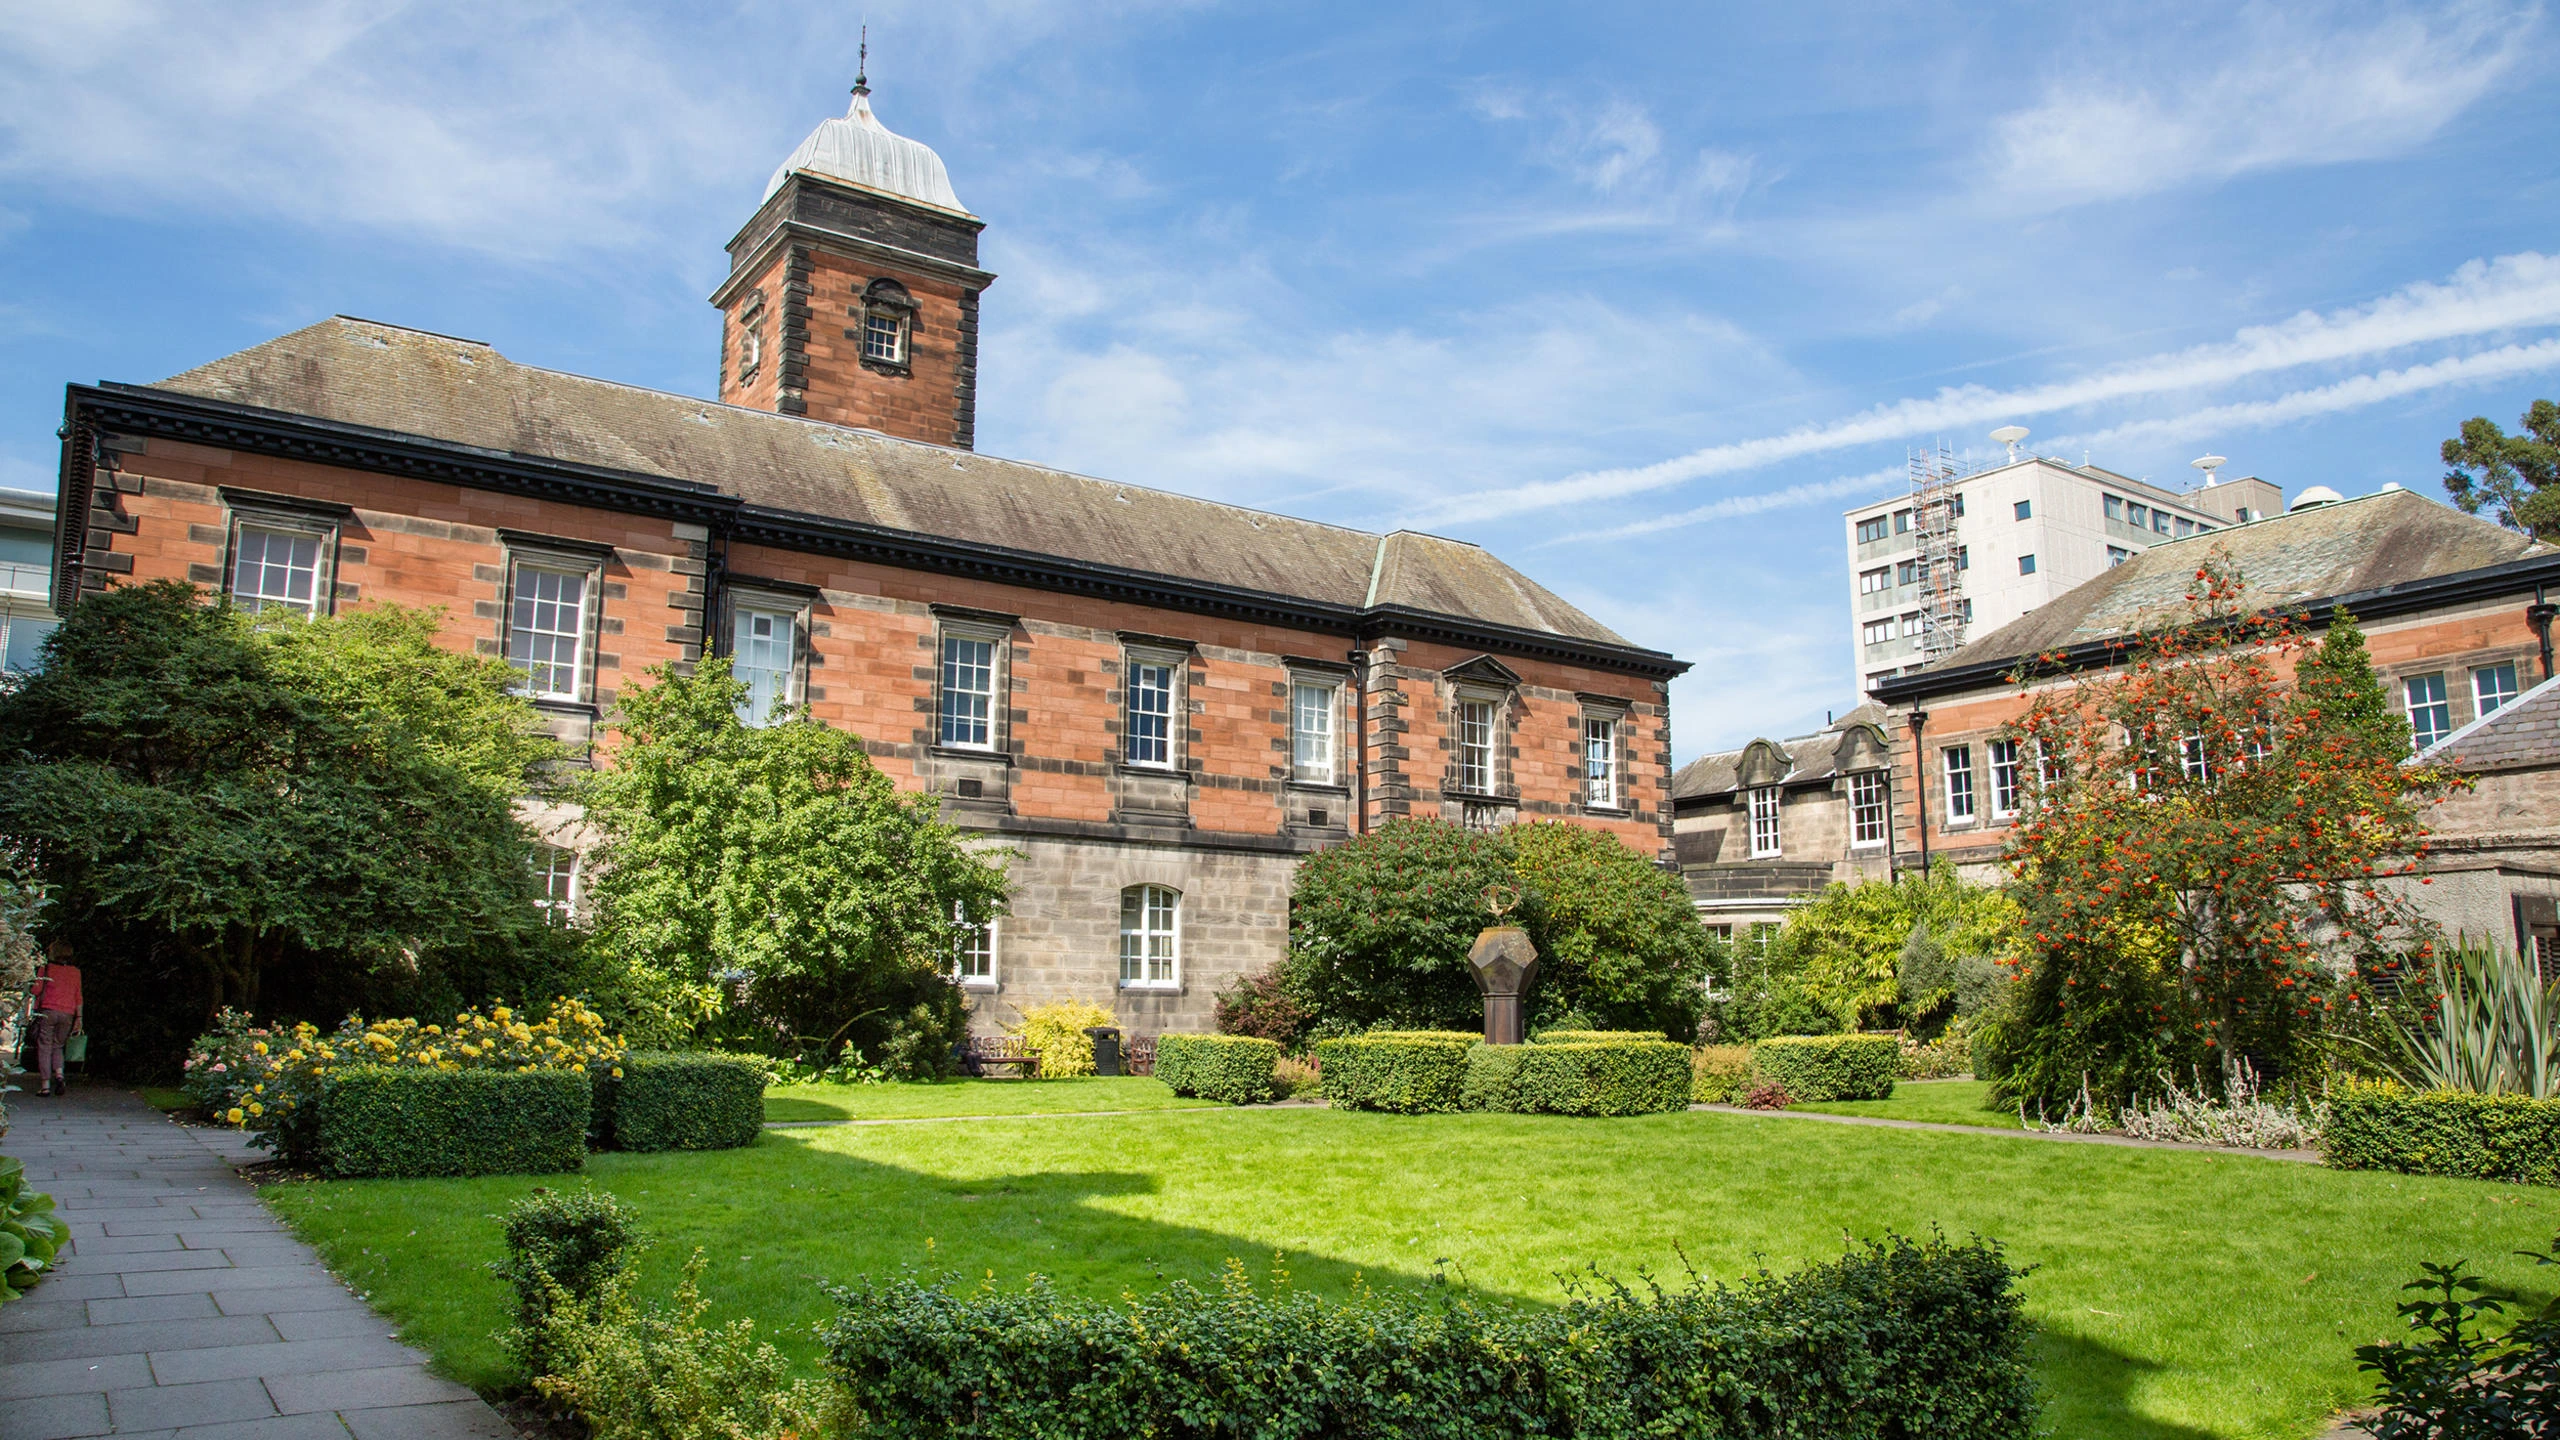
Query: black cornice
{"type": "Point", "coordinates": [2463, 587]}
{"type": "Point", "coordinates": [138, 410]}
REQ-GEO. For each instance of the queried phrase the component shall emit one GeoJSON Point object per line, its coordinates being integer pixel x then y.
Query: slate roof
{"type": "Point", "coordinates": [2522, 734]}
{"type": "Point", "coordinates": [2352, 546]}
{"type": "Point", "coordinates": [463, 392]}
{"type": "Point", "coordinates": [1808, 757]}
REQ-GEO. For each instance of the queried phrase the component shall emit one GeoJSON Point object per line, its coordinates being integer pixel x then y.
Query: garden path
{"type": "Point", "coordinates": [183, 1310]}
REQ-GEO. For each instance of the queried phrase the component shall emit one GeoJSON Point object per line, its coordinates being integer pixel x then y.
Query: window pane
{"type": "Point", "coordinates": [1150, 917]}
{"type": "Point", "coordinates": [968, 691]}
{"type": "Point", "coordinates": [1764, 822]}
{"type": "Point", "coordinates": [1866, 808]}
{"type": "Point", "coordinates": [1959, 782]}
{"type": "Point", "coordinates": [1475, 746]}
{"type": "Point", "coordinates": [555, 871]}
{"type": "Point", "coordinates": [1150, 737]}
{"type": "Point", "coordinates": [880, 338]}
{"type": "Point", "coordinates": [760, 646]}
{"type": "Point", "coordinates": [2004, 777]}
{"type": "Point", "coordinates": [276, 567]}
{"type": "Point", "coordinates": [22, 649]}
{"type": "Point", "coordinates": [2493, 686]}
{"type": "Point", "coordinates": [1600, 761]}
{"type": "Point", "coordinates": [1311, 733]}
{"type": "Point", "coordinates": [2430, 716]}
{"type": "Point", "coordinates": [974, 955]}
{"type": "Point", "coordinates": [549, 627]}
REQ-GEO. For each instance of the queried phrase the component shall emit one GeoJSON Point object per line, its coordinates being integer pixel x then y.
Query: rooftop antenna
{"type": "Point", "coordinates": [2208, 464]}
{"type": "Point", "coordinates": [2010, 435]}
{"type": "Point", "coordinates": [862, 66]}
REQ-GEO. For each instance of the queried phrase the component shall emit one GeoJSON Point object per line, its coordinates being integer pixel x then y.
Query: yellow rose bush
{"type": "Point", "coordinates": [270, 1081]}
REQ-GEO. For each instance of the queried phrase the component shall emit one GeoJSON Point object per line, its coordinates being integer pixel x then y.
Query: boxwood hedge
{"type": "Point", "coordinates": [2444, 1132]}
{"type": "Point", "coordinates": [1623, 1077]}
{"type": "Point", "coordinates": [1818, 1068]}
{"type": "Point", "coordinates": [1593, 1037]}
{"type": "Point", "coordinates": [1897, 1338]}
{"type": "Point", "coordinates": [1409, 1072]}
{"type": "Point", "coordinates": [681, 1100]}
{"type": "Point", "coordinates": [410, 1121]}
{"type": "Point", "coordinates": [1233, 1069]}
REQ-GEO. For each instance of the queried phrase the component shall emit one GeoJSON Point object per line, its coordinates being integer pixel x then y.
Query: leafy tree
{"type": "Point", "coordinates": [1380, 929]}
{"type": "Point", "coordinates": [2515, 477]}
{"type": "Point", "coordinates": [297, 816]}
{"type": "Point", "coordinates": [2200, 866]}
{"type": "Point", "coordinates": [1844, 950]}
{"type": "Point", "coordinates": [780, 861]}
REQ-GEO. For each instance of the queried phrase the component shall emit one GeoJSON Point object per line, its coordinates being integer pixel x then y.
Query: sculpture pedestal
{"type": "Point", "coordinates": [1504, 962]}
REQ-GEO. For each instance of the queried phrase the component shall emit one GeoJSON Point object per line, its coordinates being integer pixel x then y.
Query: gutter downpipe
{"type": "Point", "coordinates": [2539, 615]}
{"type": "Point", "coordinates": [1360, 752]}
{"type": "Point", "coordinates": [1920, 781]}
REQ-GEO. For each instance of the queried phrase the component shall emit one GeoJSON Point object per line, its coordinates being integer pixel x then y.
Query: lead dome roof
{"type": "Point", "coordinates": [856, 149]}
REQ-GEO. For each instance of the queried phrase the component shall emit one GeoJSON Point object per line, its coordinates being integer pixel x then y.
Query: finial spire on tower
{"type": "Point", "coordinates": [861, 67]}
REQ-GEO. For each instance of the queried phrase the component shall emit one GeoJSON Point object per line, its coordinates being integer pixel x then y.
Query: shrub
{"type": "Point", "coordinates": [660, 1100]}
{"type": "Point", "coordinates": [2455, 1379]}
{"type": "Point", "coordinates": [1408, 1072]}
{"type": "Point", "coordinates": [1895, 1338]}
{"type": "Point", "coordinates": [1949, 1055]}
{"type": "Point", "coordinates": [661, 1374]}
{"type": "Point", "coordinates": [1594, 1037]}
{"type": "Point", "coordinates": [1231, 1069]}
{"type": "Point", "coordinates": [2494, 1028]}
{"type": "Point", "coordinates": [1055, 1033]}
{"type": "Point", "coordinates": [2443, 1132]}
{"type": "Point", "coordinates": [1261, 1006]}
{"type": "Point", "coordinates": [29, 1234]}
{"type": "Point", "coordinates": [1719, 1074]}
{"type": "Point", "coordinates": [562, 1246]}
{"type": "Point", "coordinates": [1296, 1078]}
{"type": "Point", "coordinates": [1766, 1095]}
{"type": "Point", "coordinates": [1819, 1068]}
{"type": "Point", "coordinates": [2240, 1117]}
{"type": "Point", "coordinates": [1640, 1077]}
{"type": "Point", "coordinates": [406, 1121]}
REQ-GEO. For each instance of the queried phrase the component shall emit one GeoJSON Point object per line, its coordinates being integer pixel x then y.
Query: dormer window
{"type": "Point", "coordinates": [887, 329]}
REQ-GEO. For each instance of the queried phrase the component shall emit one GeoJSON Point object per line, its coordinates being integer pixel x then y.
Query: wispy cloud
{"type": "Point", "coordinates": [2356, 393]}
{"type": "Point", "coordinates": [2483, 297]}
{"type": "Point", "coordinates": [1735, 506]}
{"type": "Point", "coordinates": [2291, 89]}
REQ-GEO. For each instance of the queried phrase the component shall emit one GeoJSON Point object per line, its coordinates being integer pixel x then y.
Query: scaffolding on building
{"type": "Point", "coordinates": [1935, 508]}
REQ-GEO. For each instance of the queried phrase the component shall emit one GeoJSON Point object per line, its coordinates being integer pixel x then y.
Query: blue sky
{"type": "Point", "coordinates": [1641, 297]}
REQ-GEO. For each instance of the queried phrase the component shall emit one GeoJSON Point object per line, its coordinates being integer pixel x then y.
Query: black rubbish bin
{"type": "Point", "coordinates": [1106, 1049]}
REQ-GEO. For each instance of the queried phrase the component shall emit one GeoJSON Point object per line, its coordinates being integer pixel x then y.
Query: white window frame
{"type": "Point", "coordinates": [2005, 777]}
{"type": "Point", "coordinates": [1141, 967]}
{"type": "Point", "coordinates": [1601, 781]}
{"type": "Point", "coordinates": [1878, 632]}
{"type": "Point", "coordinates": [877, 323]}
{"type": "Point", "coordinates": [536, 562]}
{"type": "Point", "coordinates": [2440, 702]}
{"type": "Point", "coordinates": [322, 536]}
{"type": "Point", "coordinates": [2117, 555]}
{"type": "Point", "coordinates": [1479, 760]}
{"type": "Point", "coordinates": [560, 906]}
{"type": "Point", "coordinates": [1958, 767]}
{"type": "Point", "coordinates": [952, 658]}
{"type": "Point", "coordinates": [1162, 749]}
{"type": "Point", "coordinates": [1879, 579]}
{"type": "Point", "coordinates": [1767, 843]}
{"type": "Point", "coordinates": [2488, 701]}
{"type": "Point", "coordinates": [1870, 814]}
{"type": "Point", "coordinates": [746, 602]}
{"type": "Point", "coordinates": [1315, 730]}
{"type": "Point", "coordinates": [977, 942]}
{"type": "Point", "coordinates": [2194, 761]}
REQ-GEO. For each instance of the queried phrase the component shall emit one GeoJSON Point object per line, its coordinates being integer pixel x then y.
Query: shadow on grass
{"type": "Point", "coordinates": [2088, 1384]}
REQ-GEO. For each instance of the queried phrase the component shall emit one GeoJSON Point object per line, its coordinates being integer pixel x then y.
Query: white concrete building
{"type": "Point", "coordinates": [26, 577]}
{"type": "Point", "coordinates": [2025, 531]}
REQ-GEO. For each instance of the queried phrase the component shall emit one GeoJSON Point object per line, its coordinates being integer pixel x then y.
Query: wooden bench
{"type": "Point", "coordinates": [986, 1055]}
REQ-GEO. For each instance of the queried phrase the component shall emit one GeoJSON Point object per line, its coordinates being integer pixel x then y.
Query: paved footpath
{"type": "Point", "coordinates": [183, 1309]}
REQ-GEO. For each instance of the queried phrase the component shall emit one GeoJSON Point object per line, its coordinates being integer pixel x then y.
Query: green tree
{"type": "Point", "coordinates": [1380, 928]}
{"type": "Point", "coordinates": [2514, 477]}
{"type": "Point", "coordinates": [2205, 855]}
{"type": "Point", "coordinates": [295, 816]}
{"type": "Point", "coordinates": [778, 859]}
{"type": "Point", "coordinates": [1844, 950]}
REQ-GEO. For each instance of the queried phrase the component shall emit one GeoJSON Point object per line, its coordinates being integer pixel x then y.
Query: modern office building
{"type": "Point", "coordinates": [26, 577]}
{"type": "Point", "coordinates": [1964, 554]}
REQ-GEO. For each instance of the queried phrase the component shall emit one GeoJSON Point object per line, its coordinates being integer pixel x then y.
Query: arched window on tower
{"type": "Point", "coordinates": [887, 316]}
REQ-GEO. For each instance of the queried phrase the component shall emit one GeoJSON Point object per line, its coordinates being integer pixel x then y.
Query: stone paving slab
{"type": "Point", "coordinates": [182, 1310]}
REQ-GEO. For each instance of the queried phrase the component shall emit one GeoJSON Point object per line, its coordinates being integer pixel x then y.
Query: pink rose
{"type": "Point", "coordinates": [220, 1068]}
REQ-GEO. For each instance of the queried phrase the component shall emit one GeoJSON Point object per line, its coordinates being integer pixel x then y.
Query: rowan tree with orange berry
{"type": "Point", "coordinates": [2207, 855]}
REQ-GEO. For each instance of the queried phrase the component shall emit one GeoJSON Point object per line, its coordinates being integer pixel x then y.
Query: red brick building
{"type": "Point", "coordinates": [1158, 702]}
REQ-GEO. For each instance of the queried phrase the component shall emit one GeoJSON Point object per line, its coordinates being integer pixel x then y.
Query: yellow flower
{"type": "Point", "coordinates": [260, 1047]}
{"type": "Point", "coordinates": [232, 1115]}
{"type": "Point", "coordinates": [257, 1109]}
{"type": "Point", "coordinates": [617, 1072]}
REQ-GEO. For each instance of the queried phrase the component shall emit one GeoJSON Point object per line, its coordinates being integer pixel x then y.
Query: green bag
{"type": "Point", "coordinates": [75, 1048]}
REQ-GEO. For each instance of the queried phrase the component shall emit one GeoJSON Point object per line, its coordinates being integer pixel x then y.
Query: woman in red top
{"type": "Point", "coordinates": [58, 1014]}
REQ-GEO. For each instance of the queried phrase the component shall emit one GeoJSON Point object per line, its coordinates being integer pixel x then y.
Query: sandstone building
{"type": "Point", "coordinates": [1159, 703]}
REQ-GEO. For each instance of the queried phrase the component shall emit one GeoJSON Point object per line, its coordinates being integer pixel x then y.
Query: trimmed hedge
{"type": "Point", "coordinates": [1410, 1072]}
{"type": "Point", "coordinates": [408, 1121]}
{"type": "Point", "coordinates": [1230, 1069]}
{"type": "Point", "coordinates": [1623, 1078]}
{"type": "Point", "coordinates": [1719, 1074]}
{"type": "Point", "coordinates": [680, 1100]}
{"type": "Point", "coordinates": [1897, 1338]}
{"type": "Point", "coordinates": [2443, 1132]}
{"type": "Point", "coordinates": [1819, 1068]}
{"type": "Point", "coordinates": [1593, 1037]}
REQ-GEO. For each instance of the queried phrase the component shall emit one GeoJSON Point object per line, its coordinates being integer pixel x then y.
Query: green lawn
{"type": "Point", "coordinates": [1940, 1102]}
{"type": "Point", "coordinates": [2179, 1294]}
{"type": "Point", "coordinates": [971, 1097]}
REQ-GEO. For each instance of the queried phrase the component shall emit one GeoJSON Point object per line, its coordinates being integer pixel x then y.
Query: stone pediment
{"type": "Point", "coordinates": [1484, 670]}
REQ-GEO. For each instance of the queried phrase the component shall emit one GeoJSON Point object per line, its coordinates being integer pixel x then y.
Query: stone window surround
{"type": "Point", "coordinates": [887, 299]}
{"type": "Point", "coordinates": [1174, 982]}
{"type": "Point", "coordinates": [320, 519]}
{"type": "Point", "coordinates": [1336, 677]}
{"type": "Point", "coordinates": [796, 600]}
{"type": "Point", "coordinates": [1175, 656]}
{"type": "Point", "coordinates": [553, 552]}
{"type": "Point", "coordinates": [960, 622]}
{"type": "Point", "coordinates": [1500, 697]}
{"type": "Point", "coordinates": [1617, 713]}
